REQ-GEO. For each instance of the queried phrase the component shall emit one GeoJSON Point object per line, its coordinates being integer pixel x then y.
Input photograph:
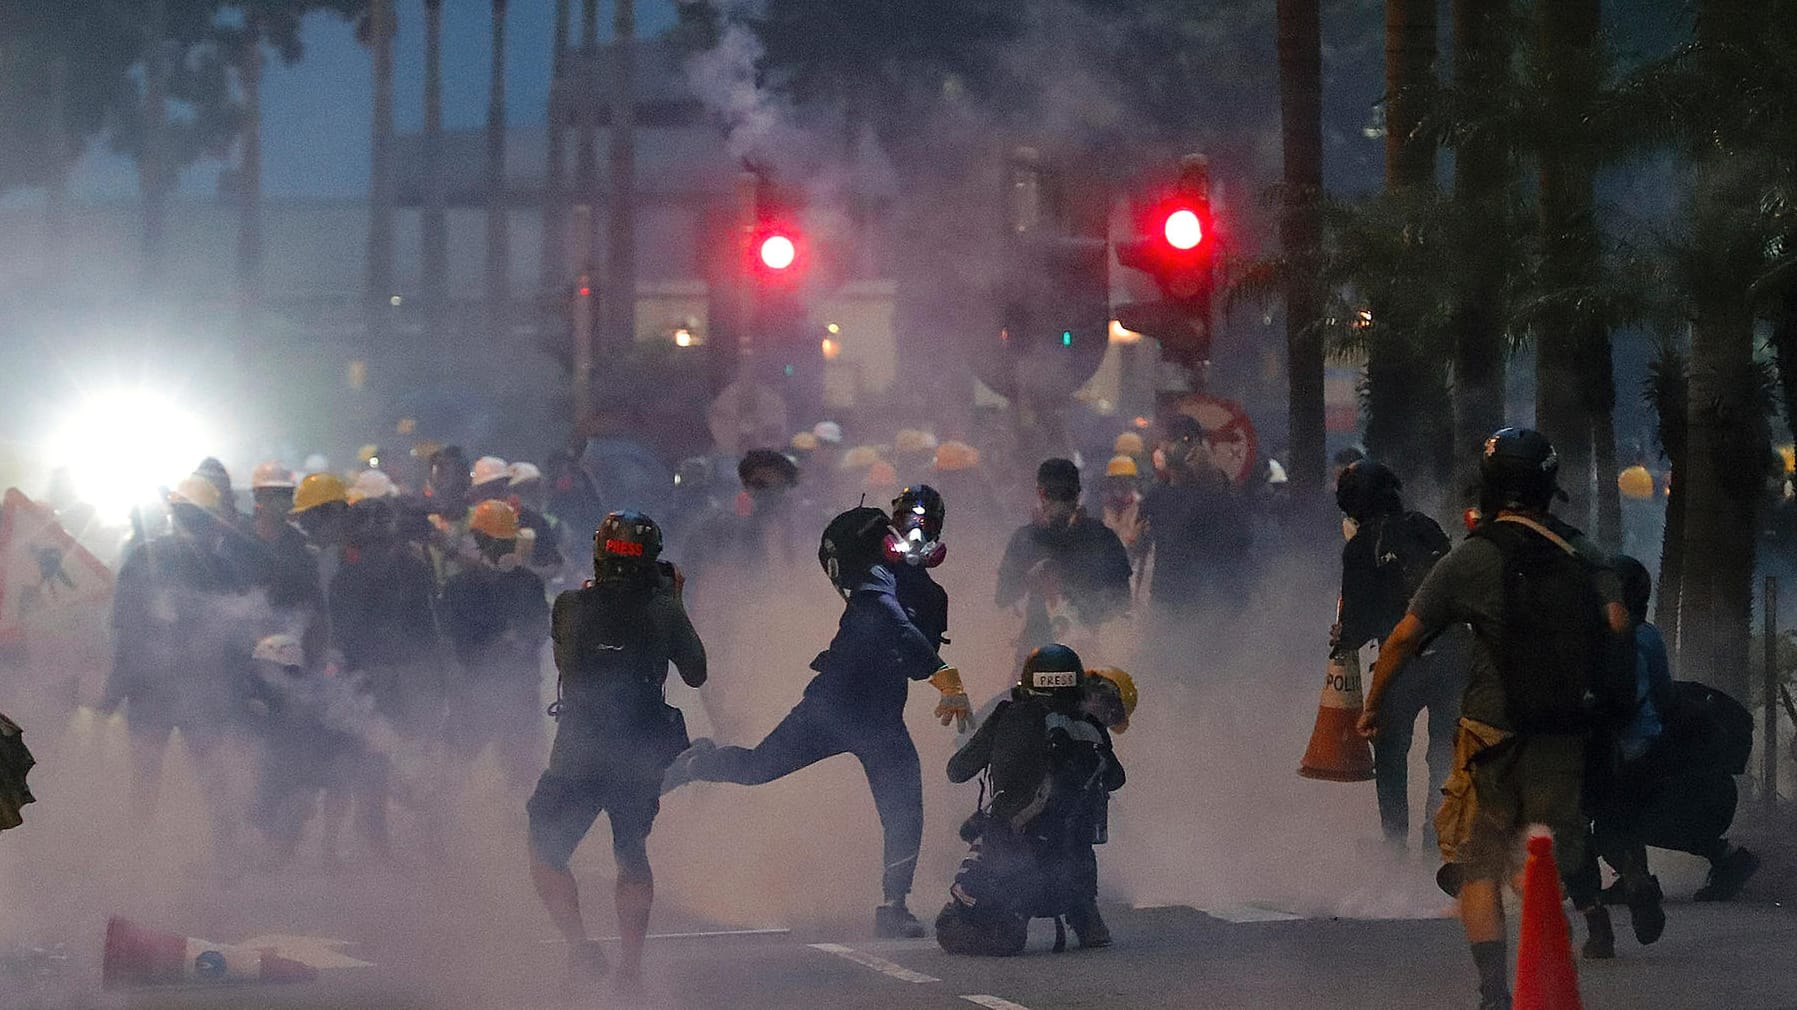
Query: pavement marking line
{"type": "Point", "coordinates": [1250, 913]}
{"type": "Point", "coordinates": [708, 935]}
{"type": "Point", "coordinates": [994, 1003]}
{"type": "Point", "coordinates": [878, 964]}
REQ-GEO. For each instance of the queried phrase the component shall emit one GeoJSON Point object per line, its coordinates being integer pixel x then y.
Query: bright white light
{"type": "Point", "coordinates": [1184, 231]}
{"type": "Point", "coordinates": [121, 446]}
{"type": "Point", "coordinates": [683, 338]}
{"type": "Point", "coordinates": [778, 252]}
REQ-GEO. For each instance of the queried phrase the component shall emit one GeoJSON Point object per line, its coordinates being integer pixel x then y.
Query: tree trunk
{"type": "Point", "coordinates": [1566, 361]}
{"type": "Point", "coordinates": [1482, 169]}
{"type": "Point", "coordinates": [434, 227]}
{"type": "Point", "coordinates": [1601, 401]}
{"type": "Point", "coordinates": [586, 158]}
{"type": "Point", "coordinates": [1406, 385]}
{"type": "Point", "coordinates": [381, 26]}
{"type": "Point", "coordinates": [249, 169]}
{"type": "Point", "coordinates": [1301, 230]}
{"type": "Point", "coordinates": [1723, 408]}
{"type": "Point", "coordinates": [620, 327]}
{"type": "Point", "coordinates": [552, 270]}
{"type": "Point", "coordinates": [153, 170]}
{"type": "Point", "coordinates": [499, 241]}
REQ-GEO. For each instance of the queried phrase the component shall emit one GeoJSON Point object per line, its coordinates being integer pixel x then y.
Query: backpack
{"type": "Point", "coordinates": [1706, 728]}
{"type": "Point", "coordinates": [1409, 545]}
{"type": "Point", "coordinates": [1554, 657]}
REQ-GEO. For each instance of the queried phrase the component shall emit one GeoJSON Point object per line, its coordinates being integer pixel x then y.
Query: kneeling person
{"type": "Point", "coordinates": [616, 734]}
{"type": "Point", "coordinates": [1052, 770]}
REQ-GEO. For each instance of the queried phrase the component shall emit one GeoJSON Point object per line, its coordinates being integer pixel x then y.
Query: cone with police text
{"type": "Point", "coordinates": [137, 956]}
{"type": "Point", "coordinates": [1545, 977]}
{"type": "Point", "coordinates": [1337, 751]}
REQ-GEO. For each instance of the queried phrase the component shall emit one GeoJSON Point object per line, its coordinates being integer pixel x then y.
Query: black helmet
{"type": "Point", "coordinates": [1519, 468]}
{"type": "Point", "coordinates": [756, 460]}
{"type": "Point", "coordinates": [1366, 489]}
{"type": "Point", "coordinates": [1052, 671]}
{"type": "Point", "coordinates": [625, 543]}
{"type": "Point", "coordinates": [852, 543]}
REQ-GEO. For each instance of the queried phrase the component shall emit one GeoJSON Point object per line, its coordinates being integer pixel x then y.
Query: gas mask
{"type": "Point", "coordinates": [914, 548]}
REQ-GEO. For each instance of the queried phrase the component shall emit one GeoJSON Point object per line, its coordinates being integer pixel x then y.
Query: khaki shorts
{"type": "Point", "coordinates": [1500, 786]}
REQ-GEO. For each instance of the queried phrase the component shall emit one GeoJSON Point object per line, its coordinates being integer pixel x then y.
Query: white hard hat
{"type": "Point", "coordinates": [282, 650]}
{"type": "Point", "coordinates": [1276, 473]}
{"type": "Point", "coordinates": [828, 431]}
{"type": "Point", "coordinates": [488, 469]}
{"type": "Point", "coordinates": [524, 472]}
{"type": "Point", "coordinates": [374, 484]}
{"type": "Point", "coordinates": [271, 474]}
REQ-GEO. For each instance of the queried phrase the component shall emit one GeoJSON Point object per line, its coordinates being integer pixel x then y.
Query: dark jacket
{"type": "Point", "coordinates": [1084, 558]}
{"type": "Point", "coordinates": [925, 602]}
{"type": "Point", "coordinates": [1201, 535]}
{"type": "Point", "coordinates": [863, 677]}
{"type": "Point", "coordinates": [1381, 567]}
{"type": "Point", "coordinates": [1030, 749]}
{"type": "Point", "coordinates": [382, 611]}
{"type": "Point", "coordinates": [495, 617]}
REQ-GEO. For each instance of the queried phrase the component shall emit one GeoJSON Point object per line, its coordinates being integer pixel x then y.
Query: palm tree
{"type": "Point", "coordinates": [586, 158]}
{"type": "Point", "coordinates": [1301, 113]}
{"type": "Point", "coordinates": [1482, 174]}
{"type": "Point", "coordinates": [555, 222]}
{"type": "Point", "coordinates": [621, 321]}
{"type": "Point", "coordinates": [378, 30]}
{"type": "Point", "coordinates": [434, 227]}
{"type": "Point", "coordinates": [498, 231]}
{"type": "Point", "coordinates": [1407, 402]}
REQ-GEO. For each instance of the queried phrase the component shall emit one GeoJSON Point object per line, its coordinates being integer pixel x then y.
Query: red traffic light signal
{"type": "Point", "coordinates": [778, 251]}
{"type": "Point", "coordinates": [1183, 229]}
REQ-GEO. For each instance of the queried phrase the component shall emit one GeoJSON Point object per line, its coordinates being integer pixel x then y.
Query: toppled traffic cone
{"type": "Point", "coordinates": [136, 956]}
{"type": "Point", "coordinates": [1545, 977]}
{"type": "Point", "coordinates": [1337, 751]}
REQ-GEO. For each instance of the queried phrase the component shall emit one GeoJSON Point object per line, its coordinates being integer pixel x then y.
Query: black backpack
{"type": "Point", "coordinates": [1555, 658]}
{"type": "Point", "coordinates": [1706, 728]}
{"type": "Point", "coordinates": [1408, 546]}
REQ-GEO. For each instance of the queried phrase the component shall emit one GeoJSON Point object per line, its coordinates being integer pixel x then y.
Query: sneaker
{"type": "Point", "coordinates": [1600, 944]}
{"type": "Point", "coordinates": [1089, 926]}
{"type": "Point", "coordinates": [1645, 912]}
{"type": "Point", "coordinates": [681, 771]}
{"type": "Point", "coordinates": [1728, 875]}
{"type": "Point", "coordinates": [895, 922]}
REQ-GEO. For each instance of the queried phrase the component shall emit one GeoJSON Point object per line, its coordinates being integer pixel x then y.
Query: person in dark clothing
{"type": "Point", "coordinates": [384, 622]}
{"type": "Point", "coordinates": [1669, 788]}
{"type": "Point", "coordinates": [615, 733]}
{"type": "Point", "coordinates": [496, 616]}
{"type": "Point", "coordinates": [1067, 570]}
{"type": "Point", "coordinates": [1383, 564]}
{"type": "Point", "coordinates": [177, 655]}
{"type": "Point", "coordinates": [1198, 529]}
{"type": "Point", "coordinates": [288, 567]}
{"type": "Point", "coordinates": [856, 705]}
{"type": "Point", "coordinates": [1051, 769]}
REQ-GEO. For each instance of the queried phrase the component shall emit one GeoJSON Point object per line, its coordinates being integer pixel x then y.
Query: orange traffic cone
{"type": "Point", "coordinates": [1545, 978]}
{"type": "Point", "coordinates": [138, 956]}
{"type": "Point", "coordinates": [1337, 751]}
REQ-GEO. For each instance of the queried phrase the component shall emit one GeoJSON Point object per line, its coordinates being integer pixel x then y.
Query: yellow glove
{"type": "Point", "coordinates": [955, 707]}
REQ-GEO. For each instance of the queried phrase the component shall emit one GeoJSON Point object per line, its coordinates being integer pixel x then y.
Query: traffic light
{"type": "Point", "coordinates": [1177, 248]}
{"type": "Point", "coordinates": [777, 276]}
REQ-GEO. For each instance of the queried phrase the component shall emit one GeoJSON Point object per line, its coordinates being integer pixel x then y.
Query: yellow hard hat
{"type": "Point", "coordinates": [195, 490]}
{"type": "Point", "coordinates": [1121, 466]}
{"type": "Point", "coordinates": [956, 455]}
{"type": "Point", "coordinates": [805, 441]}
{"type": "Point", "coordinates": [1635, 483]}
{"type": "Point", "coordinates": [496, 519]}
{"type": "Point", "coordinates": [880, 477]}
{"type": "Point", "coordinates": [1126, 689]}
{"type": "Point", "coordinates": [1128, 444]}
{"type": "Point", "coordinates": [1789, 455]}
{"type": "Point", "coordinates": [859, 458]}
{"type": "Point", "coordinates": [319, 489]}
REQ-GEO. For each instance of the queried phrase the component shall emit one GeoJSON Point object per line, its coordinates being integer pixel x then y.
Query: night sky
{"type": "Point", "coordinates": [315, 129]}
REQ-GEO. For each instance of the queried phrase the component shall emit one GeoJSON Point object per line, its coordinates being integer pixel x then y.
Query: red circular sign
{"type": "Point", "coordinates": [1234, 446]}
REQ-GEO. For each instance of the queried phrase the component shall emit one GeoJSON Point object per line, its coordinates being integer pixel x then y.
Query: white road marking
{"type": "Point", "coordinates": [994, 1003]}
{"type": "Point", "coordinates": [318, 952]}
{"type": "Point", "coordinates": [1250, 913]}
{"type": "Point", "coordinates": [878, 964]}
{"type": "Point", "coordinates": [708, 935]}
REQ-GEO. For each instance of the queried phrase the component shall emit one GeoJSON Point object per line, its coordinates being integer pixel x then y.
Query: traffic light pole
{"type": "Point", "coordinates": [580, 318]}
